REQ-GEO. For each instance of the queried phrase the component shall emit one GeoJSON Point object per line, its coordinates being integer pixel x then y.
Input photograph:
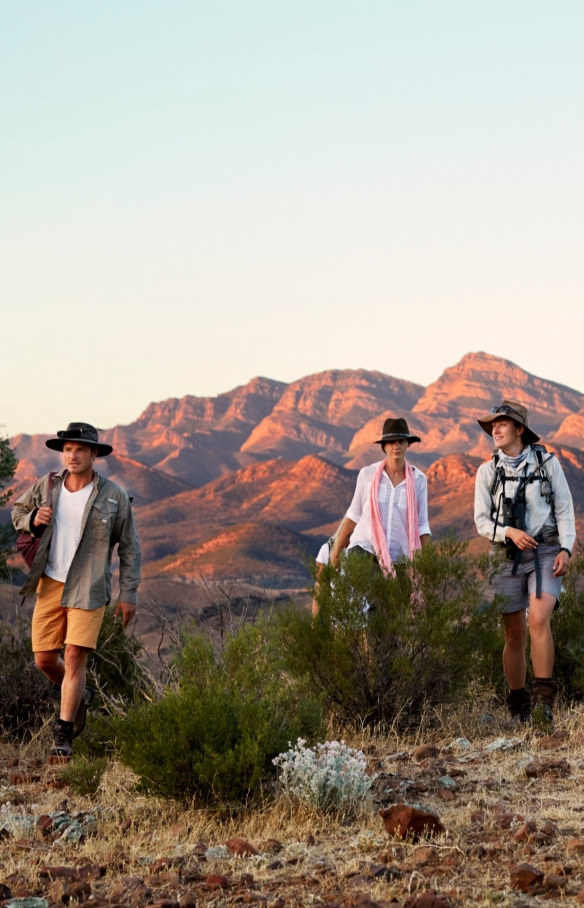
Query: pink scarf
{"type": "Point", "coordinates": [379, 537]}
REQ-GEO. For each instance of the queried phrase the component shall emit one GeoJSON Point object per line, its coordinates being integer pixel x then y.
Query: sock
{"type": "Point", "coordinates": [65, 727]}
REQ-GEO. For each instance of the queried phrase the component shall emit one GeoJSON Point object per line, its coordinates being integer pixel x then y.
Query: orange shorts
{"type": "Point", "coordinates": [54, 626]}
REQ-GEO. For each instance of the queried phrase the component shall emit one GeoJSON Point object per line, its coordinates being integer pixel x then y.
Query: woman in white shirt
{"type": "Point", "coordinates": [388, 517]}
{"type": "Point", "coordinates": [523, 504]}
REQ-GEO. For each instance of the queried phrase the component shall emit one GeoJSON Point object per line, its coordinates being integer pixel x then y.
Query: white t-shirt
{"type": "Point", "coordinates": [67, 531]}
{"type": "Point", "coordinates": [324, 554]}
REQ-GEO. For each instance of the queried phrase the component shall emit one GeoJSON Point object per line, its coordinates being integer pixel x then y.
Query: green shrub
{"type": "Point", "coordinates": [85, 775]}
{"type": "Point", "coordinates": [429, 635]}
{"type": "Point", "coordinates": [24, 690]}
{"type": "Point", "coordinates": [115, 665]}
{"type": "Point", "coordinates": [568, 631]}
{"type": "Point", "coordinates": [212, 737]}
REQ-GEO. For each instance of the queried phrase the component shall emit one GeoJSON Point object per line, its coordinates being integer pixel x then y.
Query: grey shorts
{"type": "Point", "coordinates": [518, 588]}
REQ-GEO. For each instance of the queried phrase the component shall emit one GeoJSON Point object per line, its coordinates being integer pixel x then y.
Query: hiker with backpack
{"type": "Point", "coordinates": [68, 524]}
{"type": "Point", "coordinates": [524, 507]}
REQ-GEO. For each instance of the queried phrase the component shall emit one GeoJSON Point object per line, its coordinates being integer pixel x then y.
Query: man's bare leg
{"type": "Point", "coordinates": [51, 665]}
{"type": "Point", "coordinates": [70, 675]}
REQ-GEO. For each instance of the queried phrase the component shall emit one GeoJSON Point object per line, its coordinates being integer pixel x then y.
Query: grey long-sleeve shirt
{"type": "Point", "coordinates": [539, 515]}
{"type": "Point", "coordinates": [107, 521]}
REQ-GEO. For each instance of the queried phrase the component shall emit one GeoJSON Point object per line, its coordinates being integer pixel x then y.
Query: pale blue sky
{"type": "Point", "coordinates": [195, 193]}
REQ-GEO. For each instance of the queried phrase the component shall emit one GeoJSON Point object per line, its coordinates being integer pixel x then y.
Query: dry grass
{"type": "Point", "coordinates": [133, 829]}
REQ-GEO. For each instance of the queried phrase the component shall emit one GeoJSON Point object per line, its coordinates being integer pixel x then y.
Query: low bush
{"type": "Point", "coordinates": [428, 634]}
{"type": "Point", "coordinates": [25, 692]}
{"type": "Point", "coordinates": [329, 776]}
{"type": "Point", "coordinates": [213, 735]}
{"type": "Point", "coordinates": [85, 775]}
{"type": "Point", "coordinates": [568, 631]}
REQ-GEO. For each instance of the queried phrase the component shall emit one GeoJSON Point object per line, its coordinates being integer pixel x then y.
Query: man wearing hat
{"type": "Point", "coordinates": [79, 517]}
{"type": "Point", "coordinates": [523, 505]}
{"type": "Point", "coordinates": [388, 517]}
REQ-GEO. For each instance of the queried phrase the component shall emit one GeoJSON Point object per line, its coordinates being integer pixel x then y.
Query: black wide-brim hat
{"type": "Point", "coordinates": [394, 430]}
{"type": "Point", "coordinates": [81, 432]}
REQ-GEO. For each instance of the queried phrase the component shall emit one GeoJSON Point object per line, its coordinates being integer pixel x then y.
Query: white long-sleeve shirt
{"type": "Point", "coordinates": [538, 513]}
{"type": "Point", "coordinates": [393, 509]}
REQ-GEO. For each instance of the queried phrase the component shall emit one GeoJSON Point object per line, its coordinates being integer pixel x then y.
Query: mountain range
{"type": "Point", "coordinates": [249, 483]}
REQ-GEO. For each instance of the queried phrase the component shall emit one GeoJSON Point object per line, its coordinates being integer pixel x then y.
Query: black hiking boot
{"type": "Point", "coordinates": [545, 691]}
{"type": "Point", "coordinates": [519, 706]}
{"type": "Point", "coordinates": [81, 714]}
{"type": "Point", "coordinates": [62, 749]}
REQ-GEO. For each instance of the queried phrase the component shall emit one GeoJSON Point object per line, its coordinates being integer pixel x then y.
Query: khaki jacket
{"type": "Point", "coordinates": [107, 521]}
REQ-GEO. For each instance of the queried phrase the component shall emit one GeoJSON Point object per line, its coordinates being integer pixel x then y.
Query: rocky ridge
{"type": "Point", "coordinates": [284, 455]}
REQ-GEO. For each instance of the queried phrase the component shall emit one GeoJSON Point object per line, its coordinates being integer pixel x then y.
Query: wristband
{"type": "Point", "coordinates": [564, 549]}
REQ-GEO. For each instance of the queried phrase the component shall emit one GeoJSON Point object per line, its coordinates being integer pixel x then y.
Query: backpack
{"type": "Point", "coordinates": [540, 472]}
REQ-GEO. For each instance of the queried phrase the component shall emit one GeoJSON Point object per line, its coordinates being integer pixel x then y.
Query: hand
{"type": "Point", "coordinates": [522, 540]}
{"type": "Point", "coordinates": [127, 610]}
{"type": "Point", "coordinates": [561, 564]}
{"type": "Point", "coordinates": [43, 517]}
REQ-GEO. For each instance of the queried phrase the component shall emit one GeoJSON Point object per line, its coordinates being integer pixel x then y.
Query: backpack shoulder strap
{"type": "Point", "coordinates": [49, 503]}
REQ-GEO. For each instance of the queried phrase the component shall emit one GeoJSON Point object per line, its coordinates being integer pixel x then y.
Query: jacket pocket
{"type": "Point", "coordinates": [100, 522]}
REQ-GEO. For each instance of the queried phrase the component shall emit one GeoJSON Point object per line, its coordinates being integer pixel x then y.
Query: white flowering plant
{"type": "Point", "coordinates": [329, 776]}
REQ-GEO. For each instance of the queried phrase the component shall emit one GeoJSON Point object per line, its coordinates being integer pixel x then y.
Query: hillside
{"type": "Point", "coordinates": [254, 552]}
{"type": "Point", "coordinates": [284, 455]}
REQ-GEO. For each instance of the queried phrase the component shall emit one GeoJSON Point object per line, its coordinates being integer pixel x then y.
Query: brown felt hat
{"type": "Point", "coordinates": [81, 432]}
{"type": "Point", "coordinates": [394, 429]}
{"type": "Point", "coordinates": [515, 411]}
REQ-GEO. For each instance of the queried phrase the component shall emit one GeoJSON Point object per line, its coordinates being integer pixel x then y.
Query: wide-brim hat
{"type": "Point", "coordinates": [515, 411]}
{"type": "Point", "coordinates": [81, 432]}
{"type": "Point", "coordinates": [394, 430]}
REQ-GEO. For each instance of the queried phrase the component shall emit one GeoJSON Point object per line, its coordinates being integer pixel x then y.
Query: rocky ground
{"type": "Point", "coordinates": [490, 816]}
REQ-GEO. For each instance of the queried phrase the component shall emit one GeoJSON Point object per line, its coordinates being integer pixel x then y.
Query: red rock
{"type": "Point", "coordinates": [188, 901]}
{"type": "Point", "coordinates": [241, 847]}
{"type": "Point", "coordinates": [477, 851]}
{"type": "Point", "coordinates": [216, 881]}
{"type": "Point", "coordinates": [59, 891]}
{"type": "Point", "coordinates": [401, 821]}
{"type": "Point", "coordinates": [445, 795]}
{"type": "Point", "coordinates": [164, 903]}
{"type": "Point", "coordinates": [163, 864]}
{"type": "Point", "coordinates": [536, 769]}
{"type": "Point", "coordinates": [126, 825]}
{"type": "Point", "coordinates": [200, 847]}
{"type": "Point", "coordinates": [427, 854]}
{"type": "Point", "coordinates": [428, 900]}
{"type": "Point", "coordinates": [550, 742]}
{"type": "Point", "coordinates": [81, 891]}
{"type": "Point", "coordinates": [13, 761]}
{"type": "Point", "coordinates": [68, 874]}
{"type": "Point", "coordinates": [580, 897]}
{"type": "Point", "coordinates": [424, 751]}
{"type": "Point", "coordinates": [553, 882]}
{"type": "Point", "coordinates": [91, 872]}
{"type": "Point", "coordinates": [310, 840]}
{"type": "Point", "coordinates": [45, 825]}
{"type": "Point", "coordinates": [254, 897]}
{"type": "Point", "coordinates": [522, 834]}
{"type": "Point", "coordinates": [478, 817]}
{"type": "Point", "coordinates": [506, 820]}
{"type": "Point", "coordinates": [525, 877]}
{"type": "Point", "coordinates": [20, 778]}
{"type": "Point", "coordinates": [575, 845]}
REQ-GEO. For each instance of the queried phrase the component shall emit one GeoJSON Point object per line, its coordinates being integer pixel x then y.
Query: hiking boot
{"type": "Point", "coordinates": [81, 714]}
{"type": "Point", "coordinates": [545, 691]}
{"type": "Point", "coordinates": [62, 749]}
{"type": "Point", "coordinates": [519, 706]}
